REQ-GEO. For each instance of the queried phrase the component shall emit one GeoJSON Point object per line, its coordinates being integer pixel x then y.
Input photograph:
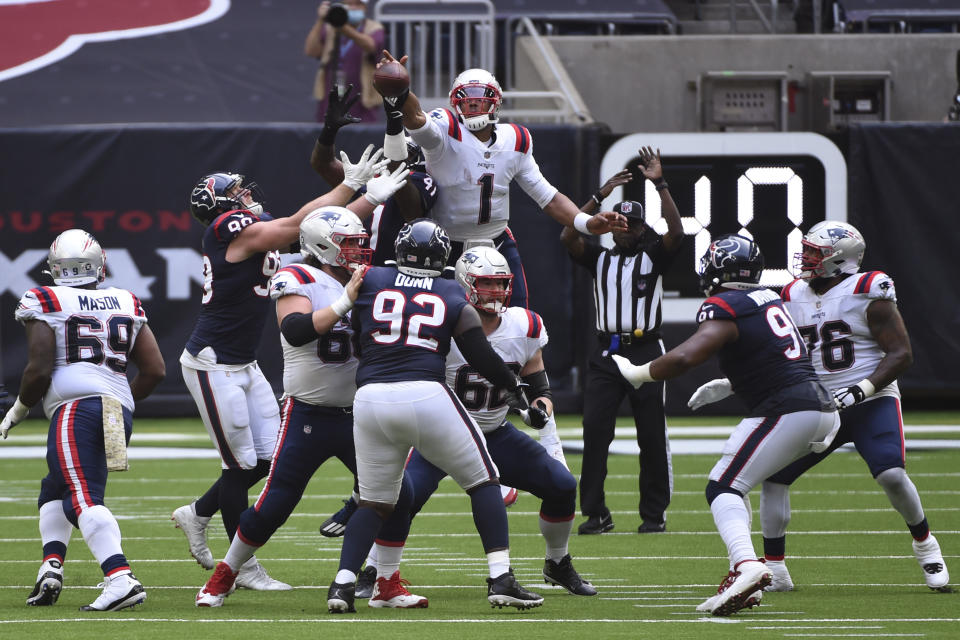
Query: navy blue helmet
{"type": "Point", "coordinates": [732, 261]}
{"type": "Point", "coordinates": [422, 248]}
{"type": "Point", "coordinates": [220, 192]}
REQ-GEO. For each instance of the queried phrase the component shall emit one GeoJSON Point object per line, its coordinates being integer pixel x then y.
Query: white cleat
{"type": "Point", "coordinates": [781, 577]}
{"type": "Point", "coordinates": [253, 576]}
{"type": "Point", "coordinates": [119, 592]}
{"type": "Point", "coordinates": [195, 528]}
{"type": "Point", "coordinates": [931, 561]}
{"type": "Point", "coordinates": [49, 584]}
{"type": "Point", "coordinates": [392, 593]}
{"type": "Point", "coordinates": [738, 589]}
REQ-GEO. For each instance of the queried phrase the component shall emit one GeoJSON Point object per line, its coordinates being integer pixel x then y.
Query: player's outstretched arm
{"type": "Point", "coordinates": [695, 350]}
{"type": "Point", "coordinates": [562, 209]}
{"type": "Point", "coordinates": [323, 159]}
{"type": "Point", "coordinates": [407, 102]}
{"type": "Point", "coordinates": [151, 370]}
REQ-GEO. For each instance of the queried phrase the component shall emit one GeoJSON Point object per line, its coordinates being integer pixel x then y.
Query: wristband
{"type": "Point", "coordinates": [867, 387]}
{"type": "Point", "coordinates": [327, 136]}
{"type": "Point", "coordinates": [394, 147]}
{"type": "Point", "coordinates": [18, 411]}
{"type": "Point", "coordinates": [661, 184]}
{"type": "Point", "coordinates": [643, 373]}
{"type": "Point", "coordinates": [580, 222]}
{"type": "Point", "coordinates": [342, 305]}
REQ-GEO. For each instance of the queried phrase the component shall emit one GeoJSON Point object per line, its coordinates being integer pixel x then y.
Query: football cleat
{"type": "Point", "coordinates": [931, 561]}
{"type": "Point", "coordinates": [509, 495]}
{"type": "Point", "coordinates": [564, 575]}
{"type": "Point", "coordinates": [366, 580]}
{"type": "Point", "coordinates": [253, 576]}
{"type": "Point", "coordinates": [221, 584]}
{"type": "Point", "coordinates": [781, 577]}
{"type": "Point", "coordinates": [340, 598]}
{"type": "Point", "coordinates": [335, 525]}
{"type": "Point", "coordinates": [119, 592]}
{"type": "Point", "coordinates": [738, 588]}
{"type": "Point", "coordinates": [49, 584]}
{"type": "Point", "coordinates": [505, 591]}
{"type": "Point", "coordinates": [195, 528]}
{"type": "Point", "coordinates": [392, 593]}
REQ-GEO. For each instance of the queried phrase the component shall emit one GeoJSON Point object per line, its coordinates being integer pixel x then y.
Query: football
{"type": "Point", "coordinates": [391, 79]}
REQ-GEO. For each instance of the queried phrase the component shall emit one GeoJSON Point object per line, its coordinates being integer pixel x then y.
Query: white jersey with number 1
{"type": "Point", "coordinates": [834, 326]}
{"type": "Point", "coordinates": [520, 334]}
{"type": "Point", "coordinates": [95, 330]}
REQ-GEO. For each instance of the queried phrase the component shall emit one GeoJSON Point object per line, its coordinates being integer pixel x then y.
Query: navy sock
{"type": "Point", "coordinates": [490, 517]}
{"type": "Point", "coordinates": [920, 530]}
{"type": "Point", "coordinates": [114, 562]}
{"type": "Point", "coordinates": [358, 538]}
{"type": "Point", "coordinates": [775, 548]}
{"type": "Point", "coordinates": [55, 549]}
{"type": "Point", "coordinates": [209, 503]}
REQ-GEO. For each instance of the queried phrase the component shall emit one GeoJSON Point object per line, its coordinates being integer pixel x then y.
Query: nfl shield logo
{"type": "Point", "coordinates": [307, 428]}
{"type": "Point", "coordinates": [486, 155]}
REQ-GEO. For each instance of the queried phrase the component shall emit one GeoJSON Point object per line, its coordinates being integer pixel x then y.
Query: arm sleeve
{"type": "Point", "coordinates": [476, 349]}
{"type": "Point", "coordinates": [430, 136]}
{"type": "Point", "coordinates": [298, 329]}
{"type": "Point", "coordinates": [532, 181]}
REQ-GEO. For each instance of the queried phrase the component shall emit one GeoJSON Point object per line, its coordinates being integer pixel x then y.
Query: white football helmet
{"type": "Point", "coordinates": [335, 236]}
{"type": "Point", "coordinates": [76, 258]}
{"type": "Point", "coordinates": [485, 275]}
{"type": "Point", "coordinates": [837, 248]}
{"type": "Point", "coordinates": [475, 98]}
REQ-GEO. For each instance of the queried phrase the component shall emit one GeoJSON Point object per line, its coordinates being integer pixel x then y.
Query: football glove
{"type": "Point", "coordinates": [535, 416]}
{"type": "Point", "coordinates": [357, 175]}
{"type": "Point", "coordinates": [713, 391]}
{"type": "Point", "coordinates": [386, 184]}
{"type": "Point", "coordinates": [16, 414]}
{"type": "Point", "coordinates": [338, 113]}
{"type": "Point", "coordinates": [635, 374]}
{"type": "Point", "coordinates": [853, 395]}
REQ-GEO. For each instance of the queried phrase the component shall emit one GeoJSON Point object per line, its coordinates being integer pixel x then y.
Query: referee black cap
{"type": "Point", "coordinates": [630, 209]}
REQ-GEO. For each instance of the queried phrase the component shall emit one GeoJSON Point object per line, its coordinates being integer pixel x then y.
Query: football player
{"type": "Point", "coordinates": [518, 336]}
{"type": "Point", "coordinates": [858, 346]}
{"type": "Point", "coordinates": [79, 340]}
{"type": "Point", "coordinates": [790, 412]}
{"type": "Point", "coordinates": [318, 382]}
{"type": "Point", "coordinates": [474, 159]}
{"type": "Point", "coordinates": [405, 317]}
{"type": "Point", "coordinates": [219, 365]}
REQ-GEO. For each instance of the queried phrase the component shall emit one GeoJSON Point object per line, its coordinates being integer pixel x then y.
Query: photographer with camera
{"type": "Point", "coordinates": [347, 43]}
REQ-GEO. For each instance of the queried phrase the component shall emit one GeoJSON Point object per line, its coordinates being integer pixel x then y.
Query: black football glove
{"type": "Point", "coordinates": [536, 416]}
{"type": "Point", "coordinates": [848, 397]}
{"type": "Point", "coordinates": [337, 115]}
{"type": "Point", "coordinates": [516, 399]}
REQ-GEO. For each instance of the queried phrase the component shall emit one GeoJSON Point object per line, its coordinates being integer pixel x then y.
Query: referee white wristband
{"type": "Point", "coordinates": [580, 222]}
{"type": "Point", "coordinates": [342, 305]}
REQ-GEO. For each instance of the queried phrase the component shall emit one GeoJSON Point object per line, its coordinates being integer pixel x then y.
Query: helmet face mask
{"type": "Point", "coordinates": [335, 236]}
{"type": "Point", "coordinates": [830, 248]}
{"type": "Point", "coordinates": [476, 97]}
{"type": "Point", "coordinates": [485, 275]}
{"type": "Point", "coordinates": [218, 193]}
{"type": "Point", "coordinates": [731, 261]}
{"type": "Point", "coordinates": [422, 249]}
{"type": "Point", "coordinates": [76, 259]}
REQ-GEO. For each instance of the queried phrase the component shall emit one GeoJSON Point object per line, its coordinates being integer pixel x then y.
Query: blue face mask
{"type": "Point", "coordinates": [355, 16]}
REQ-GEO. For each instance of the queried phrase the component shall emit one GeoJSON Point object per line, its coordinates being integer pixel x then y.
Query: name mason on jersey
{"type": "Point", "coordinates": [98, 304]}
{"type": "Point", "coordinates": [410, 281]}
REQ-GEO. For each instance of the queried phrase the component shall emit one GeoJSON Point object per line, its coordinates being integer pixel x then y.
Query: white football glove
{"type": "Point", "coordinates": [357, 175]}
{"type": "Point", "coordinates": [855, 394]}
{"type": "Point", "coordinates": [386, 184]}
{"type": "Point", "coordinates": [635, 374]}
{"type": "Point", "coordinates": [14, 416]}
{"type": "Point", "coordinates": [713, 391]}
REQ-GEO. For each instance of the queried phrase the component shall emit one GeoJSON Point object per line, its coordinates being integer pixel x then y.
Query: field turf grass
{"type": "Point", "coordinates": [848, 551]}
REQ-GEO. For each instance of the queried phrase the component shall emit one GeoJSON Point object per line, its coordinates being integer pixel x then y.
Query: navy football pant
{"type": "Point", "coordinates": [523, 464]}
{"type": "Point", "coordinates": [874, 427]}
{"type": "Point", "coordinates": [76, 459]}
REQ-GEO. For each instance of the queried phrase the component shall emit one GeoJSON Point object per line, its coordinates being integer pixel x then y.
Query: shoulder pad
{"type": "Point", "coordinates": [229, 225]}
{"type": "Point", "coordinates": [876, 285]}
{"type": "Point", "coordinates": [523, 141]}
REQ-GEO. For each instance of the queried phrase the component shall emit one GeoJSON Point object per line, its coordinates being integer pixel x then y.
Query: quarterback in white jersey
{"type": "Point", "coordinates": [79, 340]}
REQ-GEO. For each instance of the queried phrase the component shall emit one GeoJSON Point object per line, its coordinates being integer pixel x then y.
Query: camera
{"type": "Point", "coordinates": [336, 15]}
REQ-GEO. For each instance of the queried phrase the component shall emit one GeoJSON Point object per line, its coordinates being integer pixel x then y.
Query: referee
{"type": "Point", "coordinates": [628, 294]}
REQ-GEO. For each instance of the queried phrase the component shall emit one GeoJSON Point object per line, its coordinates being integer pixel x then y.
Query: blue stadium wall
{"type": "Point", "coordinates": [128, 185]}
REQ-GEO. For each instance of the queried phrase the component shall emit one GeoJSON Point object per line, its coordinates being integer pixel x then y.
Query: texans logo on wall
{"type": "Point", "coordinates": [41, 32]}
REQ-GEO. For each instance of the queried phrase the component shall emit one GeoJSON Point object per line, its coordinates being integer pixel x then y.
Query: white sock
{"type": "Point", "coordinates": [101, 532]}
{"type": "Point", "coordinates": [388, 559]}
{"type": "Point", "coordinates": [54, 526]}
{"type": "Point", "coordinates": [239, 554]}
{"type": "Point", "coordinates": [730, 516]}
{"type": "Point", "coordinates": [556, 535]}
{"type": "Point", "coordinates": [345, 576]}
{"type": "Point", "coordinates": [902, 494]}
{"type": "Point", "coordinates": [498, 562]}
{"type": "Point", "coordinates": [204, 520]}
{"type": "Point", "coordinates": [372, 559]}
{"type": "Point", "coordinates": [774, 509]}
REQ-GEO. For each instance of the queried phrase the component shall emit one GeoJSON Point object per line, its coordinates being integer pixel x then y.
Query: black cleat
{"type": "Point", "coordinates": [340, 598]}
{"type": "Point", "coordinates": [49, 584]}
{"type": "Point", "coordinates": [365, 581]}
{"type": "Point", "coordinates": [505, 591]}
{"type": "Point", "coordinates": [564, 575]}
{"type": "Point", "coordinates": [596, 524]}
{"type": "Point", "coordinates": [652, 527]}
{"type": "Point", "coordinates": [335, 525]}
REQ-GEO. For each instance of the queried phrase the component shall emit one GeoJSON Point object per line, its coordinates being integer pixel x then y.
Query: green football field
{"type": "Point", "coordinates": [848, 551]}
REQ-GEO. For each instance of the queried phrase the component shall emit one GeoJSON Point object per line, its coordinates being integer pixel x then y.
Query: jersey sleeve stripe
{"type": "Point", "coordinates": [137, 307]}
{"type": "Point", "coordinates": [785, 294]}
{"type": "Point", "coordinates": [299, 273]}
{"type": "Point", "coordinates": [48, 299]}
{"type": "Point", "coordinates": [453, 129]}
{"type": "Point", "coordinates": [534, 324]}
{"type": "Point", "coordinates": [523, 138]}
{"type": "Point", "coordinates": [722, 304]}
{"type": "Point", "coordinates": [863, 285]}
